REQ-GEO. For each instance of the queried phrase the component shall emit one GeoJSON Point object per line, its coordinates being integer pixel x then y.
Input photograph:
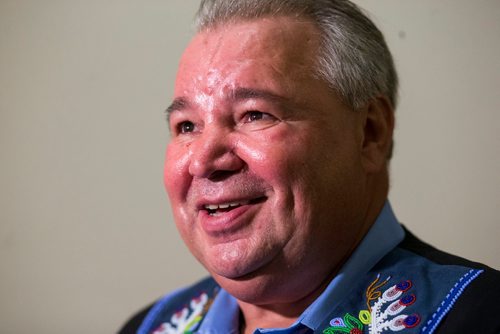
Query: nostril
{"type": "Point", "coordinates": [214, 158]}
{"type": "Point", "coordinates": [220, 175]}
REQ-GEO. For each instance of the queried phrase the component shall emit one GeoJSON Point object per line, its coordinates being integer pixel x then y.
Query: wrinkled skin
{"type": "Point", "coordinates": [252, 126]}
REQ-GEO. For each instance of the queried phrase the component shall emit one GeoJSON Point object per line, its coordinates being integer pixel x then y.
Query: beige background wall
{"type": "Point", "coordinates": [86, 236]}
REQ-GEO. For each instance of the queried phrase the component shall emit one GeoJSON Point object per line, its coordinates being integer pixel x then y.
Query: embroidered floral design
{"type": "Point", "coordinates": [185, 320]}
{"type": "Point", "coordinates": [349, 324]}
{"type": "Point", "coordinates": [383, 311]}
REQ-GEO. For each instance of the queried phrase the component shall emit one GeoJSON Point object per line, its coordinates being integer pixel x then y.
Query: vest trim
{"type": "Point", "coordinates": [450, 299]}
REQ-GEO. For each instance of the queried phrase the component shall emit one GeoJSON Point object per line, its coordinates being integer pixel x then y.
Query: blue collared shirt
{"type": "Point", "coordinates": [385, 234]}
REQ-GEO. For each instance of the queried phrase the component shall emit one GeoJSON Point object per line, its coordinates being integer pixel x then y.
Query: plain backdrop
{"type": "Point", "coordinates": [86, 235]}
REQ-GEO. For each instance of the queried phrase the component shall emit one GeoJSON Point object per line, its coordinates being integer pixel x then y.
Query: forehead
{"type": "Point", "coordinates": [249, 50]}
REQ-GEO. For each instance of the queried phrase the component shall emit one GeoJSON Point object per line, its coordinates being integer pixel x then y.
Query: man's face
{"type": "Point", "coordinates": [263, 170]}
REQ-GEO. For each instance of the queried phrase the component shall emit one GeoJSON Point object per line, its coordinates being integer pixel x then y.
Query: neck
{"type": "Point", "coordinates": [278, 315]}
{"type": "Point", "coordinates": [254, 317]}
{"type": "Point", "coordinates": [275, 315]}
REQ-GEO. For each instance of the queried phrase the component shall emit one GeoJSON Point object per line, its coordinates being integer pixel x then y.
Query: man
{"type": "Point", "coordinates": [277, 173]}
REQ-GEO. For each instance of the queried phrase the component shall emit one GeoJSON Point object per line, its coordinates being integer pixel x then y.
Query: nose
{"type": "Point", "coordinates": [213, 155]}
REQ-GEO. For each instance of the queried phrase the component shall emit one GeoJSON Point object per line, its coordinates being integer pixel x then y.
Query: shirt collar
{"type": "Point", "coordinates": [383, 236]}
{"type": "Point", "coordinates": [223, 316]}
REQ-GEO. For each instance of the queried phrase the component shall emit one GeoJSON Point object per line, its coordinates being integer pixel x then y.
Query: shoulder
{"type": "Point", "coordinates": [182, 303]}
{"type": "Point", "coordinates": [475, 308]}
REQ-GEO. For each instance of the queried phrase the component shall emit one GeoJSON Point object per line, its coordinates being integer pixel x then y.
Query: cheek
{"type": "Point", "coordinates": [176, 171]}
{"type": "Point", "coordinates": [271, 147]}
{"type": "Point", "coordinates": [177, 181]}
{"type": "Point", "coordinates": [264, 156]}
{"type": "Point", "coordinates": [280, 159]}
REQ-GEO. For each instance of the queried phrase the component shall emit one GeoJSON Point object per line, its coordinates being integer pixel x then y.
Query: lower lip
{"type": "Point", "coordinates": [228, 221]}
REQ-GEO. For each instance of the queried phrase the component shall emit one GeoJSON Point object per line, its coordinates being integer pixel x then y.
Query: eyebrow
{"type": "Point", "coordinates": [179, 103]}
{"type": "Point", "coordinates": [251, 93]}
{"type": "Point", "coordinates": [239, 94]}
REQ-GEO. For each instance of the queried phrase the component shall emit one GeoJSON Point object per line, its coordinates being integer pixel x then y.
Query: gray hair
{"type": "Point", "coordinates": [354, 58]}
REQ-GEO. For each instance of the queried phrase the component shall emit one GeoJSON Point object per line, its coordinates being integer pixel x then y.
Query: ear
{"type": "Point", "coordinates": [377, 134]}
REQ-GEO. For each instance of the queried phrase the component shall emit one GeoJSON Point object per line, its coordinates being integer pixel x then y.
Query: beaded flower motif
{"type": "Point", "coordinates": [185, 320]}
{"type": "Point", "coordinates": [383, 313]}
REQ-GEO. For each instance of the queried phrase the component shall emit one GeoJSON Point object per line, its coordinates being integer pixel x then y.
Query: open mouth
{"type": "Point", "coordinates": [216, 209]}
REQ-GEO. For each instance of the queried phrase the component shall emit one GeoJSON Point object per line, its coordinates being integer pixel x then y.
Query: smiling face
{"type": "Point", "coordinates": [264, 170]}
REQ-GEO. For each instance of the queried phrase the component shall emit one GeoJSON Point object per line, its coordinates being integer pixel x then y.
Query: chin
{"type": "Point", "coordinates": [252, 282]}
{"type": "Point", "coordinates": [240, 259]}
{"type": "Point", "coordinates": [254, 289]}
{"type": "Point", "coordinates": [236, 269]}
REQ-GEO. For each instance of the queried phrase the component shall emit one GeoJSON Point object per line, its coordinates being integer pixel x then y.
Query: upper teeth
{"type": "Point", "coordinates": [224, 205]}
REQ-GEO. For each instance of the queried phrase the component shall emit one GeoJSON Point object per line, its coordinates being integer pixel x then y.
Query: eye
{"type": "Point", "coordinates": [254, 115]}
{"type": "Point", "coordinates": [185, 127]}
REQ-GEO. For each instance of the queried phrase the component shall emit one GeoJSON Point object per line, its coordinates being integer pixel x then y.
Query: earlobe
{"type": "Point", "coordinates": [377, 134]}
